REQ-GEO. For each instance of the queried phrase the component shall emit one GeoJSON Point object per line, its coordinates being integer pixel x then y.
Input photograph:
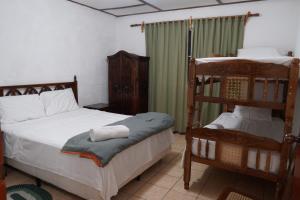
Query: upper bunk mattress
{"type": "Point", "coordinates": [283, 60]}
{"type": "Point", "coordinates": [262, 128]}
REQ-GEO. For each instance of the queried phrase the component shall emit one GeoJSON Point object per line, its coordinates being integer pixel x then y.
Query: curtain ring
{"type": "Point", "coordinates": [143, 27]}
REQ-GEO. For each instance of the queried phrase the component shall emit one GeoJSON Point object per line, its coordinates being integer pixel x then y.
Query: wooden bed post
{"type": "Point", "coordinates": [188, 151]}
{"type": "Point", "coordinates": [75, 88]}
{"type": "Point", "coordinates": [288, 127]}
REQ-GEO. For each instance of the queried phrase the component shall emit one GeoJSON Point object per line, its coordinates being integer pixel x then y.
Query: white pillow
{"type": "Point", "coordinates": [258, 52]}
{"type": "Point", "coordinates": [20, 108]}
{"type": "Point", "coordinates": [253, 113]}
{"type": "Point", "coordinates": [59, 101]}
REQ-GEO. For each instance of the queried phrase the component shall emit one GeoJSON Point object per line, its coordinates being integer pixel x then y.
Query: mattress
{"type": "Point", "coordinates": [283, 60]}
{"type": "Point", "coordinates": [269, 129]}
{"type": "Point", "coordinates": [37, 143]}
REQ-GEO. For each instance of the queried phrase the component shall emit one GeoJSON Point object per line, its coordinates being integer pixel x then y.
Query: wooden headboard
{"type": "Point", "coordinates": [15, 90]}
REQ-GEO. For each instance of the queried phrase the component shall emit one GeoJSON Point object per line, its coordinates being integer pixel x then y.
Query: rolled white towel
{"type": "Point", "coordinates": [109, 132]}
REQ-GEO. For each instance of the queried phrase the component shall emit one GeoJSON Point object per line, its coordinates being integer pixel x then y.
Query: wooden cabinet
{"type": "Point", "coordinates": [128, 83]}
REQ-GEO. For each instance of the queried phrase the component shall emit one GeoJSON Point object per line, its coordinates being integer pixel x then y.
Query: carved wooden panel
{"type": "Point", "coordinates": [16, 90]}
{"type": "Point", "coordinates": [30, 90]}
{"type": "Point", "coordinates": [13, 92]}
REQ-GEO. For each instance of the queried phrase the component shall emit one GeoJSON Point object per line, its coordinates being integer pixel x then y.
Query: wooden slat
{"type": "Point", "coordinates": [199, 147]}
{"type": "Point", "coordinates": [257, 159]}
{"type": "Point", "coordinates": [244, 157]}
{"type": "Point", "coordinates": [262, 104]}
{"type": "Point", "coordinates": [206, 149]}
{"type": "Point", "coordinates": [211, 86]}
{"type": "Point", "coordinates": [268, 162]}
{"type": "Point", "coordinates": [202, 85]}
{"type": "Point", "coordinates": [276, 91]}
{"type": "Point", "coordinates": [251, 88]}
{"type": "Point", "coordinates": [266, 89]}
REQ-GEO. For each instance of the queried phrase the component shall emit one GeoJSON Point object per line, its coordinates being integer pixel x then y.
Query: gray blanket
{"type": "Point", "coordinates": [141, 127]}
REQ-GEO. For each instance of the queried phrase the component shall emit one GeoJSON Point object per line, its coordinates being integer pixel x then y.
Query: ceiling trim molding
{"type": "Point", "coordinates": [151, 5]}
{"type": "Point", "coordinates": [143, 2]}
{"type": "Point", "coordinates": [131, 6]}
{"type": "Point", "coordinates": [176, 9]}
{"type": "Point", "coordinates": [93, 8]}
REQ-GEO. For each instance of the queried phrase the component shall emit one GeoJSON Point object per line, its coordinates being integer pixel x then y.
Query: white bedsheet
{"type": "Point", "coordinates": [283, 60]}
{"type": "Point", "coordinates": [270, 129]}
{"type": "Point", "coordinates": [262, 128]}
{"type": "Point", "coordinates": [38, 143]}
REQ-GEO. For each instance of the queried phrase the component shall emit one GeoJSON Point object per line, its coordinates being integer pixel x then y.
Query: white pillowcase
{"type": "Point", "coordinates": [20, 108]}
{"type": "Point", "coordinates": [59, 101]}
{"type": "Point", "coordinates": [253, 113]}
{"type": "Point", "coordinates": [258, 52]}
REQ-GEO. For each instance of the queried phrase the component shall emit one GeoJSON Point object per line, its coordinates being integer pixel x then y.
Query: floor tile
{"type": "Point", "coordinates": [122, 196]}
{"type": "Point", "coordinates": [174, 195]}
{"type": "Point", "coordinates": [132, 187]}
{"type": "Point", "coordinates": [152, 192]}
{"type": "Point", "coordinates": [216, 183]}
{"type": "Point", "coordinates": [198, 179]}
{"type": "Point", "coordinates": [173, 170]}
{"type": "Point", "coordinates": [164, 180]}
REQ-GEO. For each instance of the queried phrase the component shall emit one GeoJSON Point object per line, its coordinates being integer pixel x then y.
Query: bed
{"type": "Point", "coordinates": [34, 146]}
{"type": "Point", "coordinates": [253, 147]}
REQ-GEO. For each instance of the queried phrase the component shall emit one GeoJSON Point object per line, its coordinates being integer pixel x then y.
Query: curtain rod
{"type": "Point", "coordinates": [249, 14]}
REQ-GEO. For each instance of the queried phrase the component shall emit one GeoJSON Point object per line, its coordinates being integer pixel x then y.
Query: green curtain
{"type": "Point", "coordinates": [216, 36]}
{"type": "Point", "coordinates": [166, 44]}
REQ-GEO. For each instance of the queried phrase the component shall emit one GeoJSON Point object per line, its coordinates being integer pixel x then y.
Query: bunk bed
{"type": "Point", "coordinates": [264, 84]}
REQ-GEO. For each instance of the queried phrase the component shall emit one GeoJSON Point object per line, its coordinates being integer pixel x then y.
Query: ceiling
{"type": "Point", "coordinates": [120, 8]}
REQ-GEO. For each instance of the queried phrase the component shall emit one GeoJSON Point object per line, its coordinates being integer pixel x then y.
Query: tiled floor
{"type": "Point", "coordinates": [164, 181]}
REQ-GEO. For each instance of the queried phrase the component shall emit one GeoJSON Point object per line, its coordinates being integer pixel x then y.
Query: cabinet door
{"type": "Point", "coordinates": [143, 85]}
{"type": "Point", "coordinates": [115, 85]}
{"type": "Point", "coordinates": [127, 76]}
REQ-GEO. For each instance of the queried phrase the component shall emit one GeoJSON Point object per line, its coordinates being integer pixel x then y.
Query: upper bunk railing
{"type": "Point", "coordinates": [244, 82]}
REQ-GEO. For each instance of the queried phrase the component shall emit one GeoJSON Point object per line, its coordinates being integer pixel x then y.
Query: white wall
{"type": "Point", "coordinates": [297, 52]}
{"type": "Point", "coordinates": [275, 27]}
{"type": "Point", "coordinates": [51, 40]}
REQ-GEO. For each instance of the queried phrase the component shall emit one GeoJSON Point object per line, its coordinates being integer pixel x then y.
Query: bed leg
{"type": "Point", "coordinates": [38, 182]}
{"type": "Point", "coordinates": [5, 170]}
{"type": "Point", "coordinates": [278, 192]}
{"type": "Point", "coordinates": [187, 169]}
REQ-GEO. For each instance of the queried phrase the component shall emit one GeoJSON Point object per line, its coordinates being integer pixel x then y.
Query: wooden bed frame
{"type": "Point", "coordinates": [15, 90]}
{"type": "Point", "coordinates": [205, 75]}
